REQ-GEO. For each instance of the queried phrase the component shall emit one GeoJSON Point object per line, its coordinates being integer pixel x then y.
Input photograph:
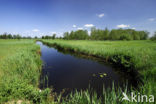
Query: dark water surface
{"type": "Point", "coordinates": [65, 71]}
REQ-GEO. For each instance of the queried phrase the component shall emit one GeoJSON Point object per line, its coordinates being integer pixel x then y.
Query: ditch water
{"type": "Point", "coordinates": [64, 71]}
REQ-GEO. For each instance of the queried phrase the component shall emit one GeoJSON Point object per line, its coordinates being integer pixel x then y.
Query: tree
{"type": "Point", "coordinates": [114, 35]}
{"type": "Point", "coordinates": [53, 36]}
{"type": "Point", "coordinates": [154, 36]}
{"type": "Point", "coordinates": [106, 34]}
{"type": "Point", "coordinates": [66, 35]}
{"type": "Point", "coordinates": [18, 37]}
{"type": "Point", "coordinates": [43, 37]}
{"type": "Point", "coordinates": [76, 35]}
{"type": "Point", "coordinates": [10, 36]}
{"type": "Point", "coordinates": [143, 35]}
{"type": "Point", "coordinates": [97, 34]}
{"type": "Point", "coordinates": [135, 35]}
{"type": "Point", "coordinates": [36, 37]}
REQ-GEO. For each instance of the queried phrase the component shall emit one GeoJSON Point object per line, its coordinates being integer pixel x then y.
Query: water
{"type": "Point", "coordinates": [68, 72]}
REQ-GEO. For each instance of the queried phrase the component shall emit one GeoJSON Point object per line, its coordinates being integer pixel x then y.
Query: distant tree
{"type": "Point", "coordinates": [18, 37]}
{"type": "Point", "coordinates": [66, 35]}
{"type": "Point", "coordinates": [135, 35]}
{"type": "Point", "coordinates": [53, 36]}
{"type": "Point", "coordinates": [10, 36]}
{"type": "Point", "coordinates": [4, 35]}
{"type": "Point", "coordinates": [36, 37]}
{"type": "Point", "coordinates": [154, 36]}
{"type": "Point", "coordinates": [29, 37]}
{"type": "Point", "coordinates": [76, 35]}
{"type": "Point", "coordinates": [106, 34]}
{"type": "Point", "coordinates": [114, 35]}
{"type": "Point", "coordinates": [95, 34]}
{"type": "Point", "coordinates": [43, 37]}
{"type": "Point", "coordinates": [80, 35]}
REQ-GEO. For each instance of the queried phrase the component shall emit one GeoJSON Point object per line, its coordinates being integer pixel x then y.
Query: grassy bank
{"type": "Point", "coordinates": [128, 55]}
{"type": "Point", "coordinates": [20, 68]}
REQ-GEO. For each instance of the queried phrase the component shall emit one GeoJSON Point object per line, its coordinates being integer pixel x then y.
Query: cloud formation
{"type": "Point", "coordinates": [35, 30]}
{"type": "Point", "coordinates": [101, 15]}
{"type": "Point", "coordinates": [88, 25]}
{"type": "Point", "coordinates": [123, 26]}
{"type": "Point", "coordinates": [74, 26]}
{"type": "Point", "coordinates": [152, 19]}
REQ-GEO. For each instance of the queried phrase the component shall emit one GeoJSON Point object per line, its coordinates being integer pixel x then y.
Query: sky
{"type": "Point", "coordinates": [45, 17]}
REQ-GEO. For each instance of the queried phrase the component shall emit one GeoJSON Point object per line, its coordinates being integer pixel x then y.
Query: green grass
{"type": "Point", "coordinates": [129, 55]}
{"type": "Point", "coordinates": [20, 67]}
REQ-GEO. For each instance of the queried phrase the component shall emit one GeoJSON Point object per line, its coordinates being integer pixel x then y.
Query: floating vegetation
{"type": "Point", "coordinates": [101, 75]}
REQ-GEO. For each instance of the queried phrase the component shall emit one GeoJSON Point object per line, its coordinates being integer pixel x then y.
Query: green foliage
{"type": "Point", "coordinates": [114, 34]}
{"type": "Point", "coordinates": [153, 37]}
{"type": "Point", "coordinates": [11, 36]}
{"type": "Point", "coordinates": [77, 35]}
{"type": "Point", "coordinates": [49, 37]}
{"type": "Point", "coordinates": [97, 34]}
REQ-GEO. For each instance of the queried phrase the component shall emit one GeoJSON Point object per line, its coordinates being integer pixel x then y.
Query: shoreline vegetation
{"type": "Point", "coordinates": [20, 69]}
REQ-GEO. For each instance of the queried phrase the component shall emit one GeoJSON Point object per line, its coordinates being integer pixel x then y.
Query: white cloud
{"type": "Point", "coordinates": [35, 30]}
{"type": "Point", "coordinates": [88, 25]}
{"type": "Point", "coordinates": [123, 26]}
{"type": "Point", "coordinates": [133, 28]}
{"type": "Point", "coordinates": [152, 19]}
{"type": "Point", "coordinates": [74, 26]}
{"type": "Point", "coordinates": [80, 28]}
{"type": "Point", "coordinates": [101, 15]}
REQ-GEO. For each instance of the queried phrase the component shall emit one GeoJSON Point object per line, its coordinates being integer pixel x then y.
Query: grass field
{"type": "Point", "coordinates": [20, 68]}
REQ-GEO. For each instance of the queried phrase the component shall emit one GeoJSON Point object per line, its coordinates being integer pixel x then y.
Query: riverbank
{"type": "Point", "coordinates": [20, 68]}
{"type": "Point", "coordinates": [128, 55]}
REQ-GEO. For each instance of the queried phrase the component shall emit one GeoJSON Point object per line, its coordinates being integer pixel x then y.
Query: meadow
{"type": "Point", "coordinates": [20, 69]}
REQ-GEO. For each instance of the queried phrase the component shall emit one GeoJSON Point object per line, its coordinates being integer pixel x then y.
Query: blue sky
{"type": "Point", "coordinates": [44, 17]}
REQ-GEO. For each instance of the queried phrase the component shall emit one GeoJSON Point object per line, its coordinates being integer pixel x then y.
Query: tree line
{"type": "Point", "coordinates": [10, 36]}
{"type": "Point", "coordinates": [17, 36]}
{"type": "Point", "coordinates": [114, 34]}
{"type": "Point", "coordinates": [49, 37]}
{"type": "Point", "coordinates": [96, 34]}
